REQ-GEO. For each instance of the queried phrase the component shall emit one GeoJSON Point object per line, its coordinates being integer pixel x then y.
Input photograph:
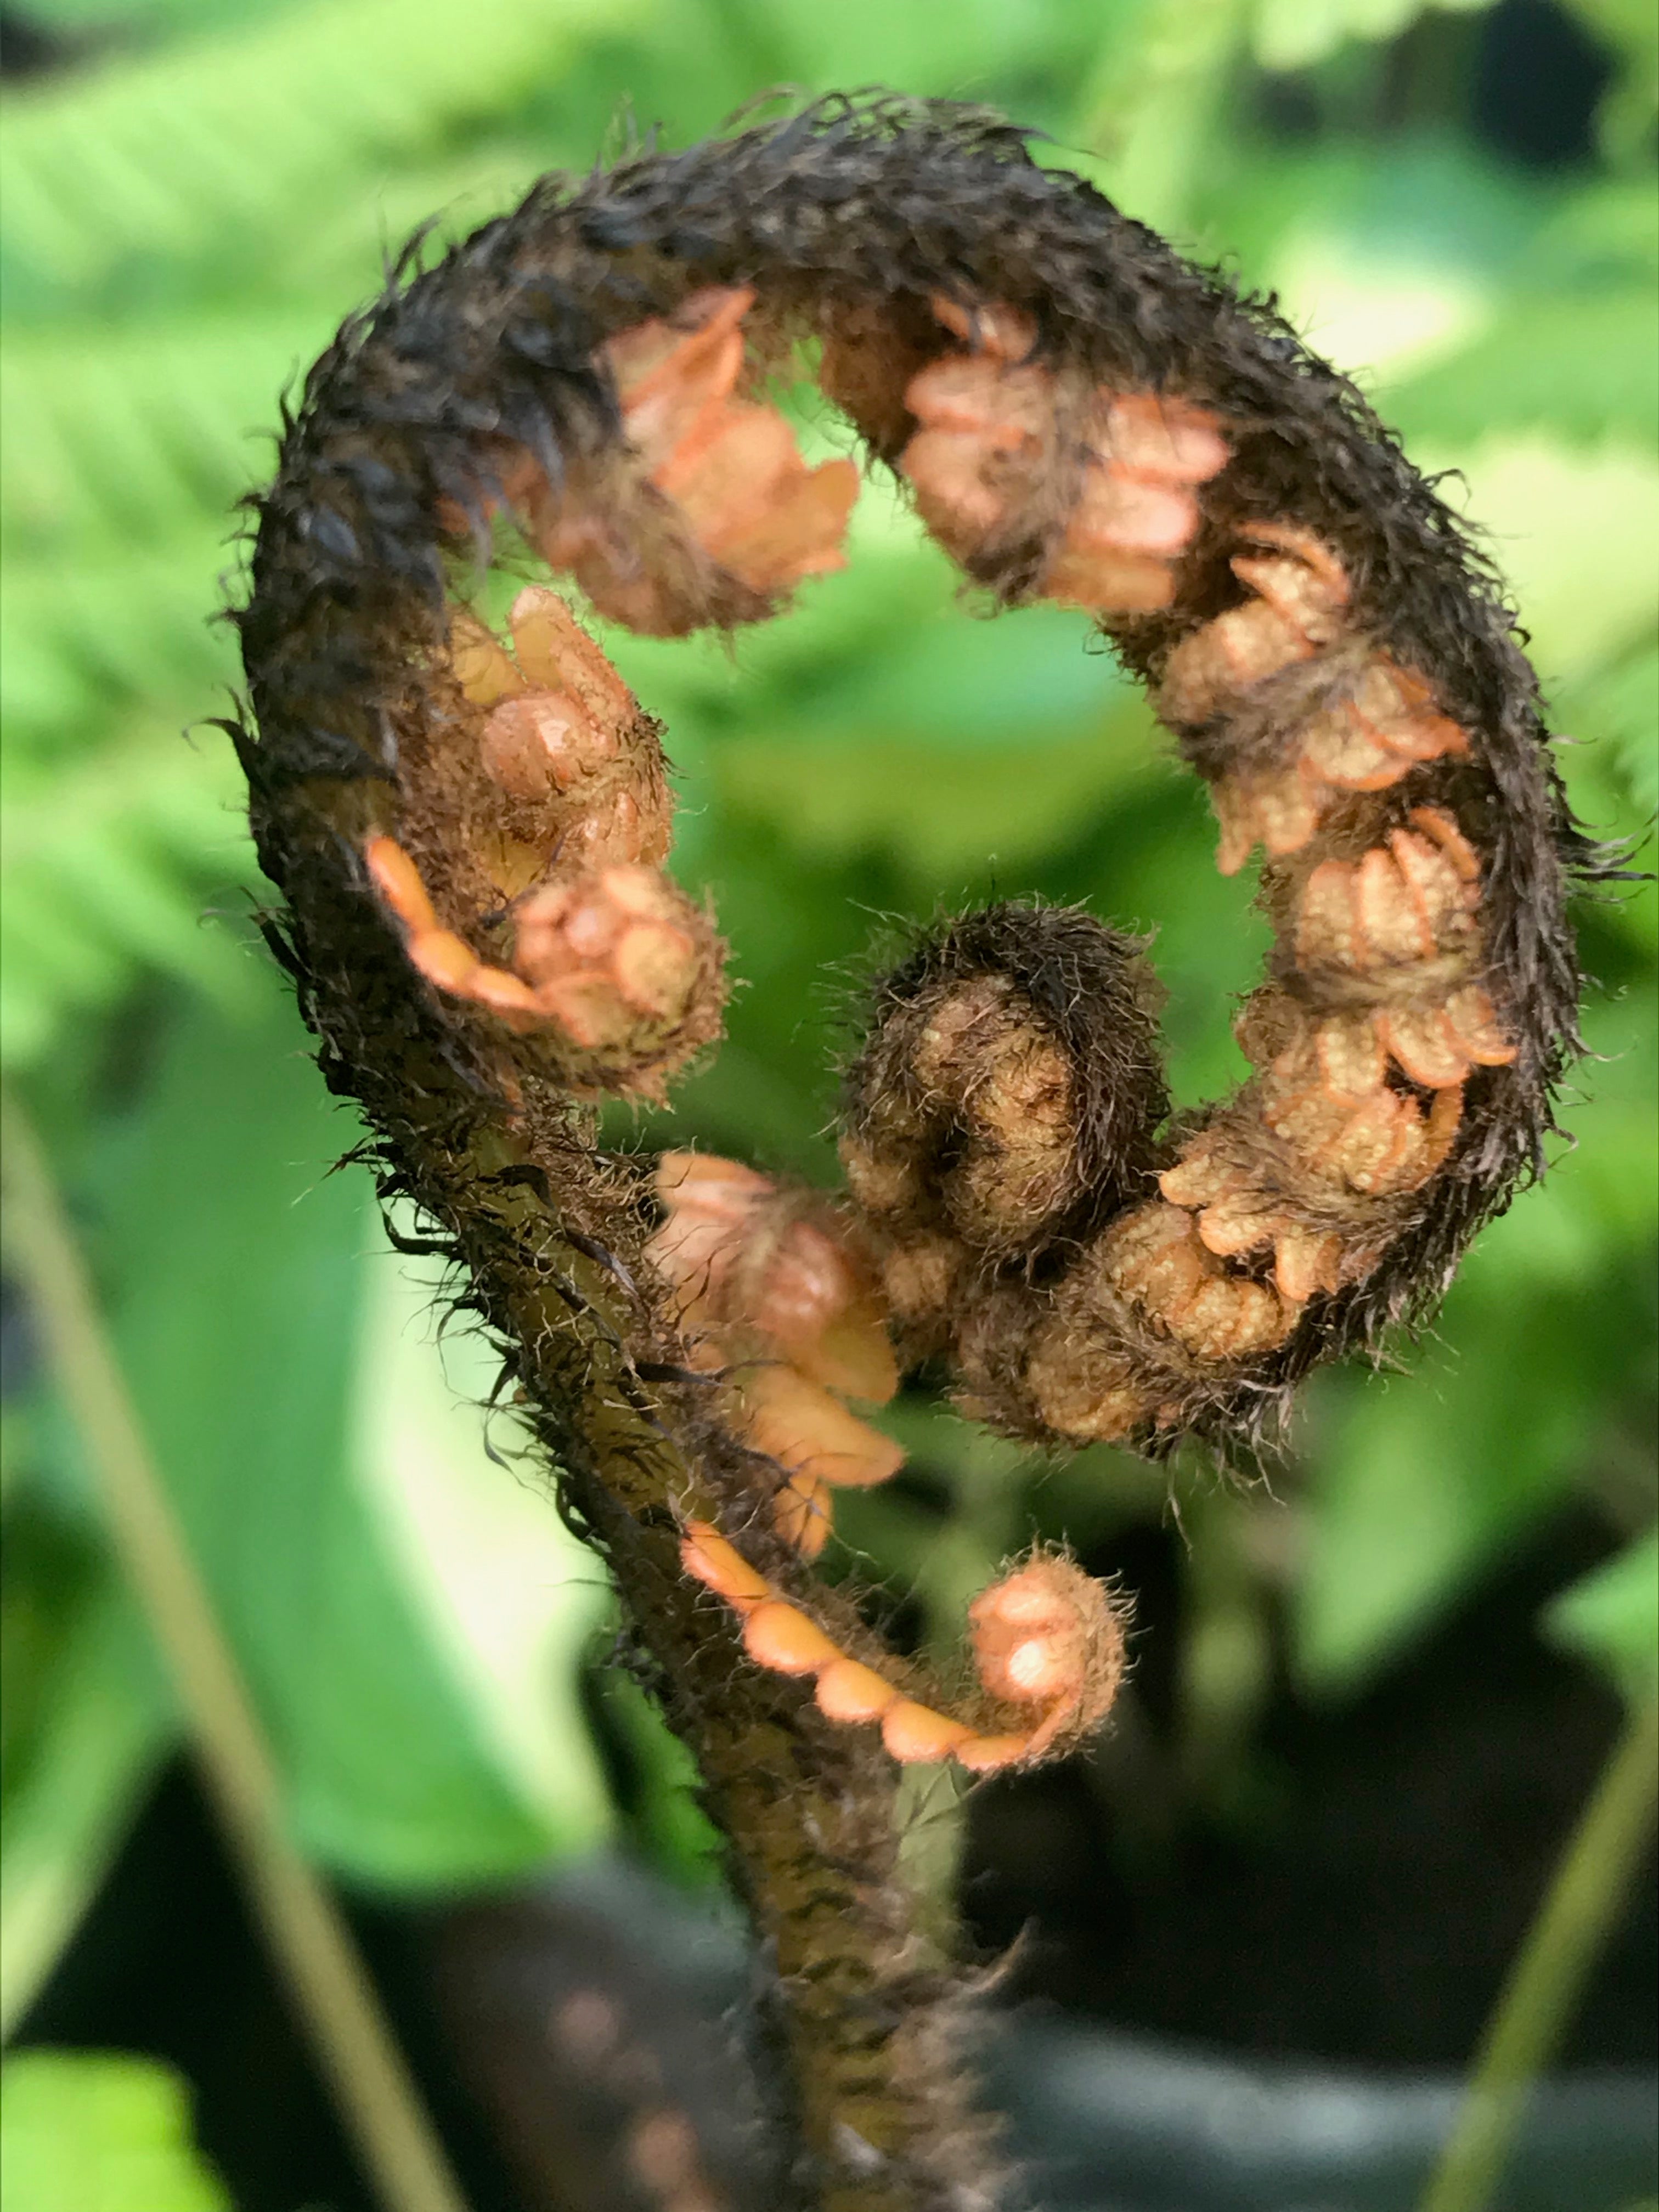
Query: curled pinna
{"type": "Point", "coordinates": [470, 830]}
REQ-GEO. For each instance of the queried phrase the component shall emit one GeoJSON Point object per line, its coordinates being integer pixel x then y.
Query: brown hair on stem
{"type": "Point", "coordinates": [470, 834]}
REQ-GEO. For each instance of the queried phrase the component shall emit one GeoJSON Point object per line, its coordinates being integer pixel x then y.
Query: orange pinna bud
{"type": "Point", "coordinates": [399, 882]}
{"type": "Point", "coordinates": [804, 1428]}
{"type": "Point", "coordinates": [614, 950]}
{"type": "Point", "coordinates": [744, 1257]}
{"type": "Point", "coordinates": [1159, 440]}
{"type": "Point", "coordinates": [993, 327]}
{"type": "Point", "coordinates": [446, 960]}
{"type": "Point", "coordinates": [1301, 592]}
{"type": "Point", "coordinates": [972, 462]}
{"type": "Point", "coordinates": [672, 374]}
{"type": "Point", "coordinates": [482, 664]}
{"type": "Point", "coordinates": [1384, 1143]}
{"type": "Point", "coordinates": [827, 1315]}
{"type": "Point", "coordinates": [1135, 512]}
{"type": "Point", "coordinates": [711, 1205]}
{"type": "Point", "coordinates": [1388, 725]}
{"type": "Point", "coordinates": [782, 1637]}
{"type": "Point", "coordinates": [1157, 1257]}
{"type": "Point", "coordinates": [1411, 903]}
{"type": "Point", "coordinates": [803, 1513]}
{"type": "Point", "coordinates": [849, 1691]}
{"type": "Point", "coordinates": [989, 438]}
{"type": "Point", "coordinates": [1306, 1260]}
{"type": "Point", "coordinates": [556, 653]}
{"type": "Point", "coordinates": [915, 1735]}
{"type": "Point", "coordinates": [731, 467]}
{"type": "Point", "coordinates": [1278, 810]}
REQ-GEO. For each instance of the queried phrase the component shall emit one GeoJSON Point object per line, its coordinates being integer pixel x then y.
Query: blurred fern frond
{"type": "Point", "coordinates": [181, 219]}
{"type": "Point", "coordinates": [207, 153]}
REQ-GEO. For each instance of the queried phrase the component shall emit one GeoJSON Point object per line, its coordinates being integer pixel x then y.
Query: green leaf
{"type": "Point", "coordinates": [94, 2131]}
{"type": "Point", "coordinates": [1616, 706]}
{"type": "Point", "coordinates": [104, 1721]}
{"type": "Point", "coordinates": [870, 42]}
{"type": "Point", "coordinates": [132, 435]}
{"type": "Point", "coordinates": [1418, 1484]}
{"type": "Point", "coordinates": [1580, 366]}
{"type": "Point", "coordinates": [104, 866]}
{"type": "Point", "coordinates": [510, 1599]}
{"type": "Point", "coordinates": [1575, 532]}
{"type": "Point", "coordinates": [236, 1281]}
{"type": "Point", "coordinates": [1611, 1617]}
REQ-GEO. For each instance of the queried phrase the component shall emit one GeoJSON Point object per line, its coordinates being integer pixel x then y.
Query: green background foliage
{"type": "Point", "coordinates": [188, 210]}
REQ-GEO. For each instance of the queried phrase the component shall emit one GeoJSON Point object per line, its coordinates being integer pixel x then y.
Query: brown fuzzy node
{"type": "Point", "coordinates": [1144, 1328]}
{"type": "Point", "coordinates": [1392, 944]}
{"type": "Point", "coordinates": [1006, 1101]}
{"type": "Point", "coordinates": [1011, 1076]}
{"type": "Point", "coordinates": [1009, 450]}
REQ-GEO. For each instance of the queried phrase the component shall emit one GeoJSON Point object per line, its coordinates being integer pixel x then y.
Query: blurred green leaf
{"type": "Point", "coordinates": [244, 1376]}
{"type": "Point", "coordinates": [1611, 1616]}
{"type": "Point", "coordinates": [104, 1719]}
{"type": "Point", "coordinates": [510, 1599]}
{"type": "Point", "coordinates": [95, 2132]}
{"type": "Point", "coordinates": [208, 150]}
{"type": "Point", "coordinates": [105, 864]}
{"type": "Point", "coordinates": [1584, 367]}
{"type": "Point", "coordinates": [1628, 107]}
{"type": "Point", "coordinates": [1420, 1482]}
{"type": "Point", "coordinates": [1292, 34]}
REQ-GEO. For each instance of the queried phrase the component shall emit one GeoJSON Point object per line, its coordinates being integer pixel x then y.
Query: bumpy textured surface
{"type": "Point", "coordinates": [470, 834]}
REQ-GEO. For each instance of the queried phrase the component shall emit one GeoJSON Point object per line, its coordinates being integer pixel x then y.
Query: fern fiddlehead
{"type": "Point", "coordinates": [470, 833]}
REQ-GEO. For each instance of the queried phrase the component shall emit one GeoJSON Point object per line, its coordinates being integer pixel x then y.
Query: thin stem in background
{"type": "Point", "coordinates": [377, 2098]}
{"type": "Point", "coordinates": [1550, 1971]}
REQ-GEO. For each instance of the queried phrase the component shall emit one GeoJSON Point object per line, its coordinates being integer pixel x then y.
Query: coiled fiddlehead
{"type": "Point", "coordinates": [469, 835]}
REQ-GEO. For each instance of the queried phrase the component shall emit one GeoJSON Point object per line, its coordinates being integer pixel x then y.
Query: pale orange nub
{"type": "Point", "coordinates": [445, 959]}
{"type": "Point", "coordinates": [991, 326]}
{"type": "Point", "coordinates": [706, 1555]}
{"type": "Point", "coordinates": [984, 1754]}
{"type": "Point", "coordinates": [739, 1261]}
{"type": "Point", "coordinates": [732, 467]}
{"type": "Point", "coordinates": [781, 1636]}
{"type": "Point", "coordinates": [849, 1691]}
{"type": "Point", "coordinates": [804, 1428]}
{"type": "Point", "coordinates": [1027, 1634]}
{"type": "Point", "coordinates": [399, 882]}
{"type": "Point", "coordinates": [481, 664]}
{"type": "Point", "coordinates": [913, 1734]}
{"type": "Point", "coordinates": [989, 424]}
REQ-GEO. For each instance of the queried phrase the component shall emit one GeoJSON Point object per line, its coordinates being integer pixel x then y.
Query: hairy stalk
{"type": "Point", "coordinates": [313, 1946]}
{"type": "Point", "coordinates": [470, 834]}
{"type": "Point", "coordinates": [1548, 1976]}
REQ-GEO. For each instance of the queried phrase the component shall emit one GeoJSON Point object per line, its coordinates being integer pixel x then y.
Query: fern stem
{"type": "Point", "coordinates": [377, 2098]}
{"type": "Point", "coordinates": [1551, 1968]}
